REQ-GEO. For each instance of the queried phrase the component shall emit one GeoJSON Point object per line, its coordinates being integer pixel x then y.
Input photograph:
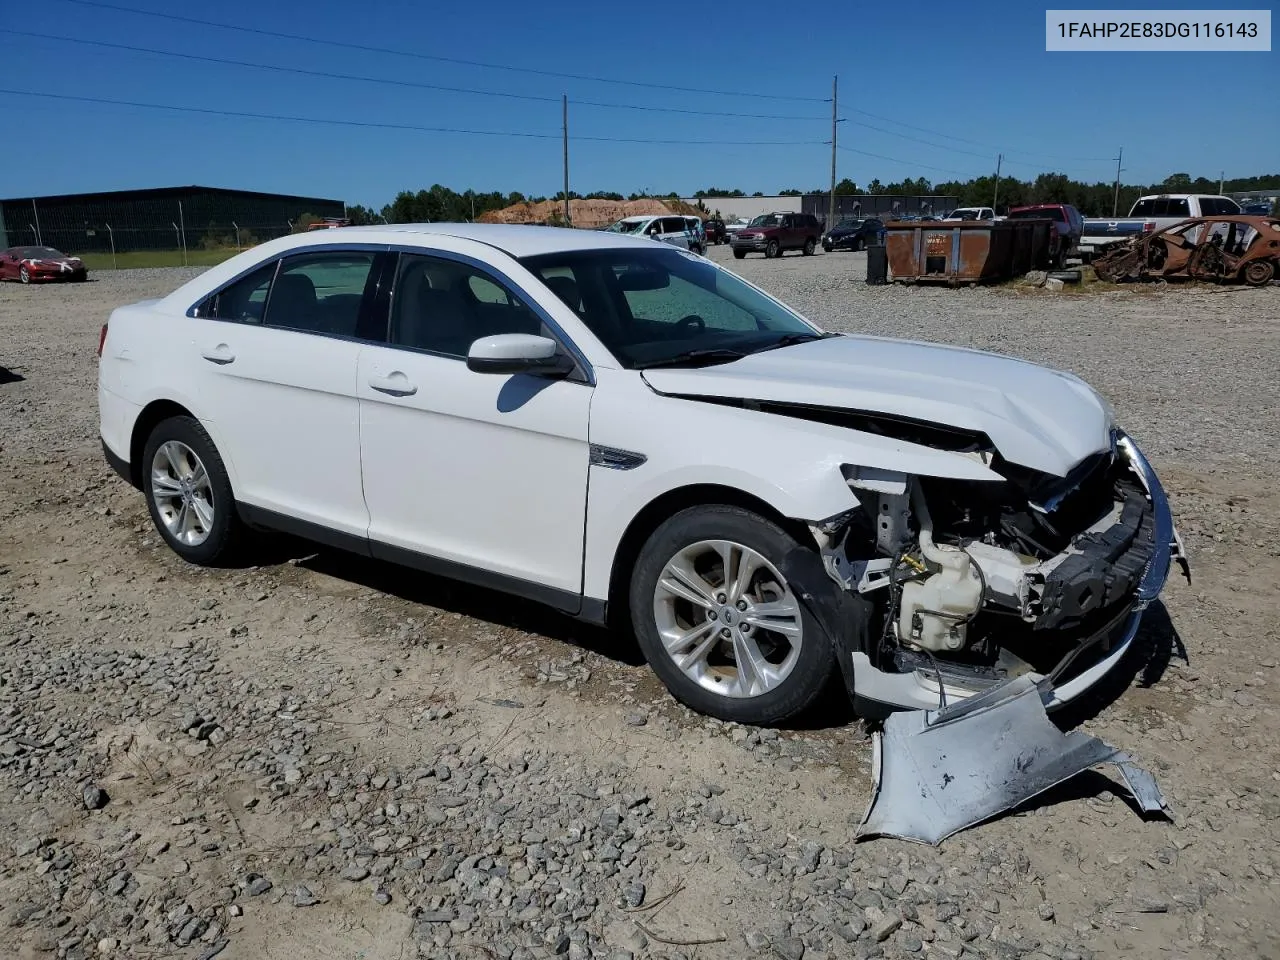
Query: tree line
{"type": "Point", "coordinates": [441, 203]}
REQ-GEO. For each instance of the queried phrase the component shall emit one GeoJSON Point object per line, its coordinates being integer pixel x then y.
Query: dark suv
{"type": "Point", "coordinates": [855, 235]}
{"type": "Point", "coordinates": [773, 234]}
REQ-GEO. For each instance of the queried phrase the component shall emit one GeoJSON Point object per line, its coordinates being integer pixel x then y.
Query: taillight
{"type": "Point", "coordinates": [102, 339]}
{"type": "Point", "coordinates": [1148, 227]}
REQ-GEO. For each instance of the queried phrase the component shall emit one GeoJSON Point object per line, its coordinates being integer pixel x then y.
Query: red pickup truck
{"type": "Point", "coordinates": [1068, 226]}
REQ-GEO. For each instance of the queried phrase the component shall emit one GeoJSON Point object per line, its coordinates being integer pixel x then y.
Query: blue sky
{"type": "Point", "coordinates": [971, 79]}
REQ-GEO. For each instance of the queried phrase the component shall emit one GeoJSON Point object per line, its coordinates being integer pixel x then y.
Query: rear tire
{"type": "Point", "coordinates": [24, 275]}
{"type": "Point", "coordinates": [189, 494]}
{"type": "Point", "coordinates": [684, 641]}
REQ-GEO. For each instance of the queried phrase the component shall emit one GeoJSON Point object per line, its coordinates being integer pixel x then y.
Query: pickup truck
{"type": "Point", "coordinates": [1151, 213]}
{"type": "Point", "coordinates": [1067, 226]}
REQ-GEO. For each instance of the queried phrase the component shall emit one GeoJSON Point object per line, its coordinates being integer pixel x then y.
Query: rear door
{"type": "Point", "coordinates": [276, 355]}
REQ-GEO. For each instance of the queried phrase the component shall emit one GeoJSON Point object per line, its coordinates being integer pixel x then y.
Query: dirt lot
{"type": "Point", "coordinates": [323, 757]}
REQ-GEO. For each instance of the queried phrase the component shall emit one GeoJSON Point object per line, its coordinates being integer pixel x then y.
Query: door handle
{"type": "Point", "coordinates": [221, 354]}
{"type": "Point", "coordinates": [396, 384]}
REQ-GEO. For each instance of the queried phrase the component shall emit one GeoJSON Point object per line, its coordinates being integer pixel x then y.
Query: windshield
{"type": "Point", "coordinates": [1049, 213]}
{"type": "Point", "coordinates": [964, 213]}
{"type": "Point", "coordinates": [765, 220]}
{"type": "Point", "coordinates": [849, 224]}
{"type": "Point", "coordinates": [652, 306]}
{"type": "Point", "coordinates": [627, 226]}
{"type": "Point", "coordinates": [39, 253]}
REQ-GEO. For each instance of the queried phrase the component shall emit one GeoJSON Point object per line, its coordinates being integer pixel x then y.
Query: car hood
{"type": "Point", "coordinates": [1036, 417]}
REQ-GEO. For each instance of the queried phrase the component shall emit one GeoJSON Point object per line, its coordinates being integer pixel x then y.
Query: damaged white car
{"type": "Point", "coordinates": [640, 438]}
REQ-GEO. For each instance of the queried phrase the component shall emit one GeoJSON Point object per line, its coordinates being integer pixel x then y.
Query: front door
{"type": "Point", "coordinates": [485, 472]}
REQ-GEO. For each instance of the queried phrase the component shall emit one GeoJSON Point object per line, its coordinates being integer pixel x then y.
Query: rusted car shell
{"type": "Point", "coordinates": [1226, 249]}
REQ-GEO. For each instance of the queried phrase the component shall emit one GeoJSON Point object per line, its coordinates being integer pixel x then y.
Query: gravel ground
{"type": "Point", "coordinates": [325, 757]}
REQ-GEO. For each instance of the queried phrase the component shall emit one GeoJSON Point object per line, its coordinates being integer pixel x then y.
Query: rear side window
{"type": "Point", "coordinates": [320, 293]}
{"type": "Point", "coordinates": [1179, 208]}
{"type": "Point", "coordinates": [244, 301]}
{"type": "Point", "coordinates": [1218, 207]}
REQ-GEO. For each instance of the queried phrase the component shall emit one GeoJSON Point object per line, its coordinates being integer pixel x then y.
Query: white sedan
{"type": "Point", "coordinates": [642, 439]}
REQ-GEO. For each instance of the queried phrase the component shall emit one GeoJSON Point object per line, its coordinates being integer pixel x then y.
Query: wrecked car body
{"type": "Point", "coordinates": [637, 437]}
{"type": "Point", "coordinates": [1029, 543]}
{"type": "Point", "coordinates": [1226, 249]}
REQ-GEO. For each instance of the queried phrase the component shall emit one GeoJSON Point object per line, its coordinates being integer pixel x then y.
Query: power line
{"type": "Point", "coordinates": [910, 163]}
{"type": "Point", "coordinates": [330, 75]}
{"type": "Point", "coordinates": [399, 126]}
{"type": "Point", "coordinates": [279, 35]}
{"type": "Point", "coordinates": [976, 143]}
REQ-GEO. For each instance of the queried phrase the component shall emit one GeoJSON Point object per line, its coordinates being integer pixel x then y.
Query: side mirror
{"type": "Point", "coordinates": [509, 353]}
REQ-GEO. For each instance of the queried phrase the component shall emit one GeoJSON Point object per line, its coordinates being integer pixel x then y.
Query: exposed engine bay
{"type": "Point", "coordinates": [974, 583]}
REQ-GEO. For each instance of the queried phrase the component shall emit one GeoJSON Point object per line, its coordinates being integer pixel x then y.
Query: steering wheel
{"type": "Point", "coordinates": [691, 325]}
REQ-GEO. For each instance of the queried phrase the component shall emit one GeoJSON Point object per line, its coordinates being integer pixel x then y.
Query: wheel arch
{"type": "Point", "coordinates": [152, 415]}
{"type": "Point", "coordinates": [663, 507]}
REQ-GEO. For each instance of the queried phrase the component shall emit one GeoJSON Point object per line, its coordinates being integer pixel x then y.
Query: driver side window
{"type": "Point", "coordinates": [682, 299]}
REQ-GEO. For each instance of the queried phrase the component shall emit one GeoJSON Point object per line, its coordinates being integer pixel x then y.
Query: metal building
{"type": "Point", "coordinates": [166, 218]}
{"type": "Point", "coordinates": [883, 205]}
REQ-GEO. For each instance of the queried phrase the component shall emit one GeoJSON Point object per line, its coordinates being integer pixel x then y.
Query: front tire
{"type": "Point", "coordinates": [189, 494]}
{"type": "Point", "coordinates": [717, 621]}
{"type": "Point", "coordinates": [739, 254]}
{"type": "Point", "coordinates": [774, 249]}
{"type": "Point", "coordinates": [809, 246]}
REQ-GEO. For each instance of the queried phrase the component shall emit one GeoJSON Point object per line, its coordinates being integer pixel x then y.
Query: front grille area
{"type": "Point", "coordinates": [1104, 568]}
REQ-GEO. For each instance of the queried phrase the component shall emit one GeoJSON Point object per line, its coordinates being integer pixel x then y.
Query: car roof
{"type": "Point", "coordinates": [518, 240]}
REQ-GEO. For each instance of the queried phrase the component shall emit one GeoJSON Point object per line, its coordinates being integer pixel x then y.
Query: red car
{"type": "Point", "coordinates": [1068, 226]}
{"type": "Point", "coordinates": [38, 264]}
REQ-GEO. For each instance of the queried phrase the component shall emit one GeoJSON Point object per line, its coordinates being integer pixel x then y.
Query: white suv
{"type": "Point", "coordinates": [640, 438]}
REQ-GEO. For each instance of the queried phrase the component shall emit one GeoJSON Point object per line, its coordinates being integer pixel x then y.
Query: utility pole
{"type": "Point", "coordinates": [564, 104]}
{"type": "Point", "coordinates": [831, 204]}
{"type": "Point", "coordinates": [1222, 179]}
{"type": "Point", "coordinates": [995, 200]}
{"type": "Point", "coordinates": [1115, 201]}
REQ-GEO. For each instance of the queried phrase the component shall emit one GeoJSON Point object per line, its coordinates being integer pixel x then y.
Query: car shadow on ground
{"type": "Point", "coordinates": [10, 376]}
{"type": "Point", "coordinates": [441, 593]}
{"type": "Point", "coordinates": [1154, 646]}
{"type": "Point", "coordinates": [832, 710]}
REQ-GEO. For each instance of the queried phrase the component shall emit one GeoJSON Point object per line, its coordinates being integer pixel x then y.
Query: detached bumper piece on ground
{"type": "Point", "coordinates": [937, 772]}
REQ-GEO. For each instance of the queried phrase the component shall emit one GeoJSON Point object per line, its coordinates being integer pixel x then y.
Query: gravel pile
{"type": "Point", "coordinates": [321, 756]}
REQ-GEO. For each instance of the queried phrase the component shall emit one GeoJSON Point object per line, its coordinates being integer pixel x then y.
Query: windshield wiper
{"type": "Point", "coordinates": [691, 358]}
{"type": "Point", "coordinates": [791, 339]}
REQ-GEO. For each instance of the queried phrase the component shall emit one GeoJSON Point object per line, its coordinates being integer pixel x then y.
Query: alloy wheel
{"type": "Point", "coordinates": [727, 619]}
{"type": "Point", "coordinates": [182, 493]}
